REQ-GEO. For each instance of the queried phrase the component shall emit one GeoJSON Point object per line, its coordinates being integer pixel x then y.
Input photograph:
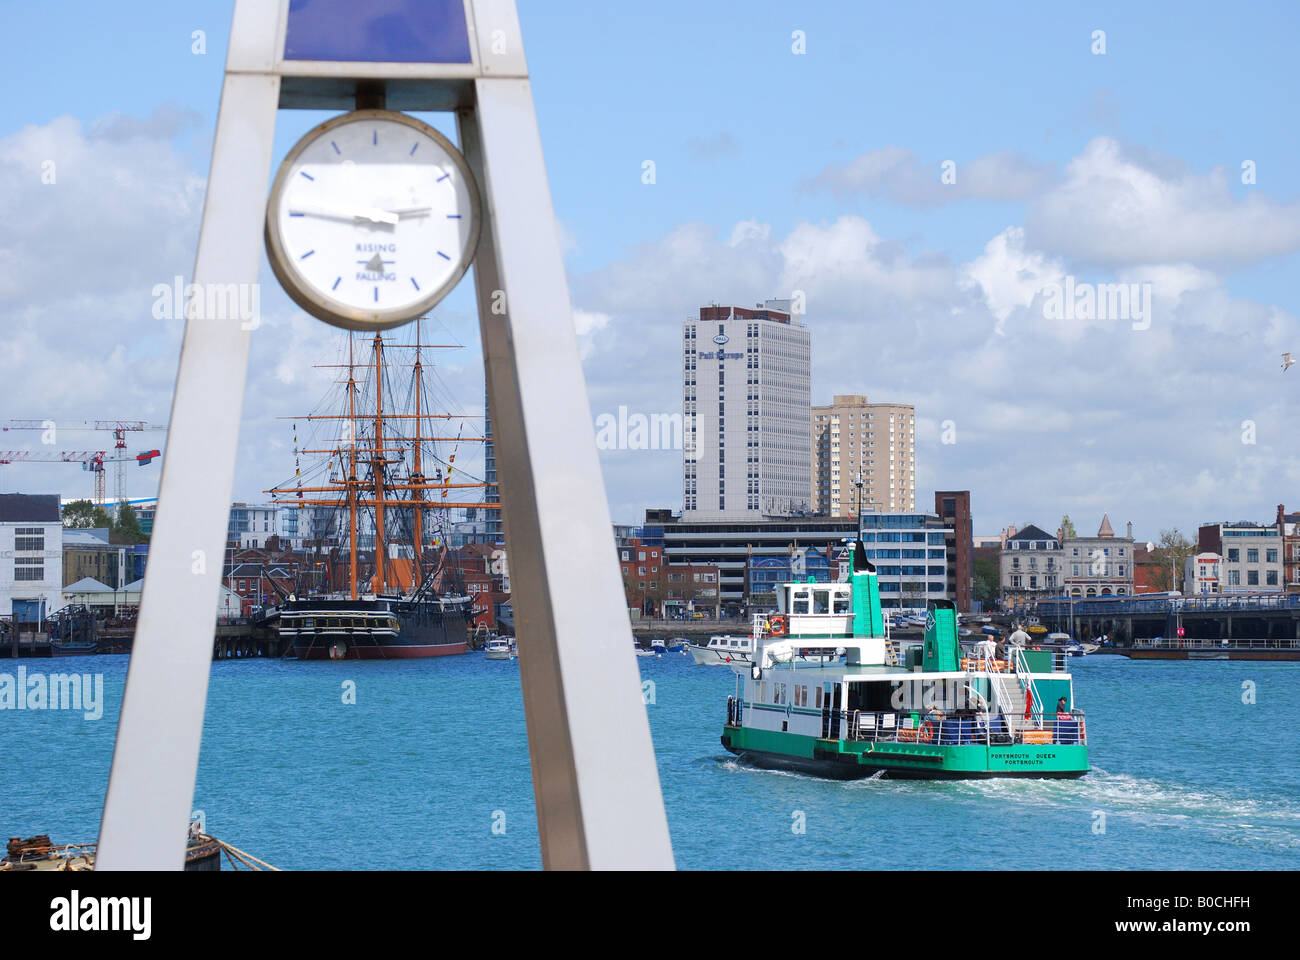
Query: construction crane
{"type": "Point", "coordinates": [91, 460]}
{"type": "Point", "coordinates": [119, 428]}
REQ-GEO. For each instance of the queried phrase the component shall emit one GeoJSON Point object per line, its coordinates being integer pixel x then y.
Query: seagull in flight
{"type": "Point", "coordinates": [1287, 360]}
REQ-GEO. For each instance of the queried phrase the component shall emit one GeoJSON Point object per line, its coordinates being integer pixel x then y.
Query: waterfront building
{"type": "Point", "coordinates": [87, 554]}
{"type": "Point", "coordinates": [1201, 574]}
{"type": "Point", "coordinates": [494, 530]}
{"type": "Point", "coordinates": [729, 546]}
{"type": "Point", "coordinates": [31, 556]}
{"type": "Point", "coordinates": [1100, 566]}
{"type": "Point", "coordinates": [863, 457]}
{"type": "Point", "coordinates": [953, 508]}
{"type": "Point", "coordinates": [1030, 566]}
{"type": "Point", "coordinates": [910, 551]}
{"type": "Point", "coordinates": [1288, 525]}
{"type": "Point", "coordinates": [255, 582]}
{"type": "Point", "coordinates": [657, 588]}
{"type": "Point", "coordinates": [483, 569]}
{"type": "Point", "coordinates": [746, 404]}
{"type": "Point", "coordinates": [1251, 552]}
{"type": "Point", "coordinates": [804, 564]}
{"type": "Point", "coordinates": [251, 525]}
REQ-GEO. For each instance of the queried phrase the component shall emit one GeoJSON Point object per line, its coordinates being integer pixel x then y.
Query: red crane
{"type": "Point", "coordinates": [120, 429]}
{"type": "Point", "coordinates": [91, 460]}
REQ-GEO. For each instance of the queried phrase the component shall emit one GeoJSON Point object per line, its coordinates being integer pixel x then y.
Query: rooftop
{"type": "Point", "coordinates": [29, 508]}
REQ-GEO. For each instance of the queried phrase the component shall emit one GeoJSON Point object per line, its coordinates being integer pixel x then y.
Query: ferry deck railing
{"type": "Point", "coordinates": [973, 727]}
{"type": "Point", "coordinates": [976, 727]}
{"type": "Point", "coordinates": [975, 662]}
{"type": "Point", "coordinates": [1223, 643]}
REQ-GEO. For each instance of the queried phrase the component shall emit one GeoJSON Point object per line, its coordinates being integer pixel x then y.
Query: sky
{"type": "Point", "coordinates": [931, 178]}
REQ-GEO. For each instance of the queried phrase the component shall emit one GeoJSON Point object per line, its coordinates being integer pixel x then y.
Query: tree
{"type": "Point", "coordinates": [1067, 528]}
{"type": "Point", "coordinates": [1172, 548]}
{"type": "Point", "coordinates": [82, 514]}
{"type": "Point", "coordinates": [127, 527]}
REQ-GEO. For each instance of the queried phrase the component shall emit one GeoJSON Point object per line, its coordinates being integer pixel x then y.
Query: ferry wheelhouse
{"type": "Point", "coordinates": [921, 710]}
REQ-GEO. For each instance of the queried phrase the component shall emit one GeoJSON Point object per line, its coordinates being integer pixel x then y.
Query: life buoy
{"type": "Point", "coordinates": [926, 733]}
{"type": "Point", "coordinates": [778, 626]}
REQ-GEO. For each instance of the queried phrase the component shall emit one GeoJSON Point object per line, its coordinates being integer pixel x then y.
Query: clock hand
{"type": "Point", "coordinates": [325, 209]}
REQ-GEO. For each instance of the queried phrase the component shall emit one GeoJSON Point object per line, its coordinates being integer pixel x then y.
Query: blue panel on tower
{"type": "Point", "coordinates": [378, 31]}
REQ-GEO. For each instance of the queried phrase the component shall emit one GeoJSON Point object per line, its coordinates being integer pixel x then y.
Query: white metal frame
{"type": "Point", "coordinates": [599, 803]}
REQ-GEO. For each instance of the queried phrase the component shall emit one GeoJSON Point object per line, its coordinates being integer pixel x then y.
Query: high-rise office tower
{"type": "Point", "coordinates": [746, 395]}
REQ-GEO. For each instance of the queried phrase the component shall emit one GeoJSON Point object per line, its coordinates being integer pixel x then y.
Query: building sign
{"type": "Point", "coordinates": [719, 355]}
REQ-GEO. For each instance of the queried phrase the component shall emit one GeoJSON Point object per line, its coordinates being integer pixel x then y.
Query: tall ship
{"type": "Point", "coordinates": [924, 710]}
{"type": "Point", "coordinates": [384, 485]}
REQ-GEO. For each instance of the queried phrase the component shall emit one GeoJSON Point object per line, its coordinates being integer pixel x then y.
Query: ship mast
{"type": "Point", "coordinates": [417, 477]}
{"type": "Point", "coordinates": [377, 464]}
{"type": "Point", "coordinates": [352, 473]}
{"type": "Point", "coordinates": [382, 493]}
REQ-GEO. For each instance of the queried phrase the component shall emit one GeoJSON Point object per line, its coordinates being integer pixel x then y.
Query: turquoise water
{"type": "Point", "coordinates": [433, 754]}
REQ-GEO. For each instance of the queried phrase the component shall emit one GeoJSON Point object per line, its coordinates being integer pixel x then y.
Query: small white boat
{"type": "Point", "coordinates": [498, 648]}
{"type": "Point", "coordinates": [737, 652]}
{"type": "Point", "coordinates": [723, 651]}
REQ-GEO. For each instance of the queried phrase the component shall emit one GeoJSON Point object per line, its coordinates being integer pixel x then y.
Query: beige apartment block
{"type": "Point", "coordinates": [875, 443]}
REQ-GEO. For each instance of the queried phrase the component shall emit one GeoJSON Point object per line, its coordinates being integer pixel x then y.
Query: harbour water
{"type": "Point", "coordinates": [429, 769]}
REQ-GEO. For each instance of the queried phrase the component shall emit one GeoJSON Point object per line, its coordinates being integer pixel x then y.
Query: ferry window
{"type": "Point", "coordinates": [841, 603]}
{"type": "Point", "coordinates": [817, 698]}
{"type": "Point", "coordinates": [762, 691]}
{"type": "Point", "coordinates": [309, 623]}
{"type": "Point", "coordinates": [821, 601]}
{"type": "Point", "coordinates": [800, 602]}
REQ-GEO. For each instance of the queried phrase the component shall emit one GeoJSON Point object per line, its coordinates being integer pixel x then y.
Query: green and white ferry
{"type": "Point", "coordinates": [920, 710]}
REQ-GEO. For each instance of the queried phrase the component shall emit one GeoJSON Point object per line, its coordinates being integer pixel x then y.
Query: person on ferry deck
{"type": "Point", "coordinates": [934, 716]}
{"type": "Point", "coordinates": [1062, 710]}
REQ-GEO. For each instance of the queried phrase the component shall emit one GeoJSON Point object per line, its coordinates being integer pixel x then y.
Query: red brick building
{"type": "Point", "coordinates": [1288, 524]}
{"type": "Point", "coordinates": [1143, 568]}
{"type": "Point", "coordinates": [256, 581]}
{"type": "Point", "coordinates": [657, 589]}
{"type": "Point", "coordinates": [953, 508]}
{"type": "Point", "coordinates": [483, 571]}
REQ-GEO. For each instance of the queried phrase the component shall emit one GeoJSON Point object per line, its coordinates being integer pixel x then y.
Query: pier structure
{"type": "Point", "coordinates": [1238, 622]}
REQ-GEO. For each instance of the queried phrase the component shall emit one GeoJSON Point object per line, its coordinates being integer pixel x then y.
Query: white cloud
{"type": "Point", "coordinates": [899, 175]}
{"type": "Point", "coordinates": [1050, 417]}
{"type": "Point", "coordinates": [1008, 275]}
{"type": "Point", "coordinates": [1120, 209]}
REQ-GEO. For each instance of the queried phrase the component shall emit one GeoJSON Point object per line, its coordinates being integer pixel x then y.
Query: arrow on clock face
{"type": "Point", "coordinates": [375, 264]}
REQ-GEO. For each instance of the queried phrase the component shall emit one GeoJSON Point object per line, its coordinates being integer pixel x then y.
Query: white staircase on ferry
{"type": "Point", "coordinates": [1012, 700]}
{"type": "Point", "coordinates": [1011, 696]}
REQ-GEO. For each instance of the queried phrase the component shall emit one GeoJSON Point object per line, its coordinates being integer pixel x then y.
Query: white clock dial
{"type": "Point", "coordinates": [372, 219]}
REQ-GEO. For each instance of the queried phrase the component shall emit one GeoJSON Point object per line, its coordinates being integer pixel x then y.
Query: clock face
{"type": "Point", "coordinates": [372, 219]}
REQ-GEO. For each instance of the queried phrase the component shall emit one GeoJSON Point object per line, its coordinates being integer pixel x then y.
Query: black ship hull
{"type": "Point", "coordinates": [375, 628]}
